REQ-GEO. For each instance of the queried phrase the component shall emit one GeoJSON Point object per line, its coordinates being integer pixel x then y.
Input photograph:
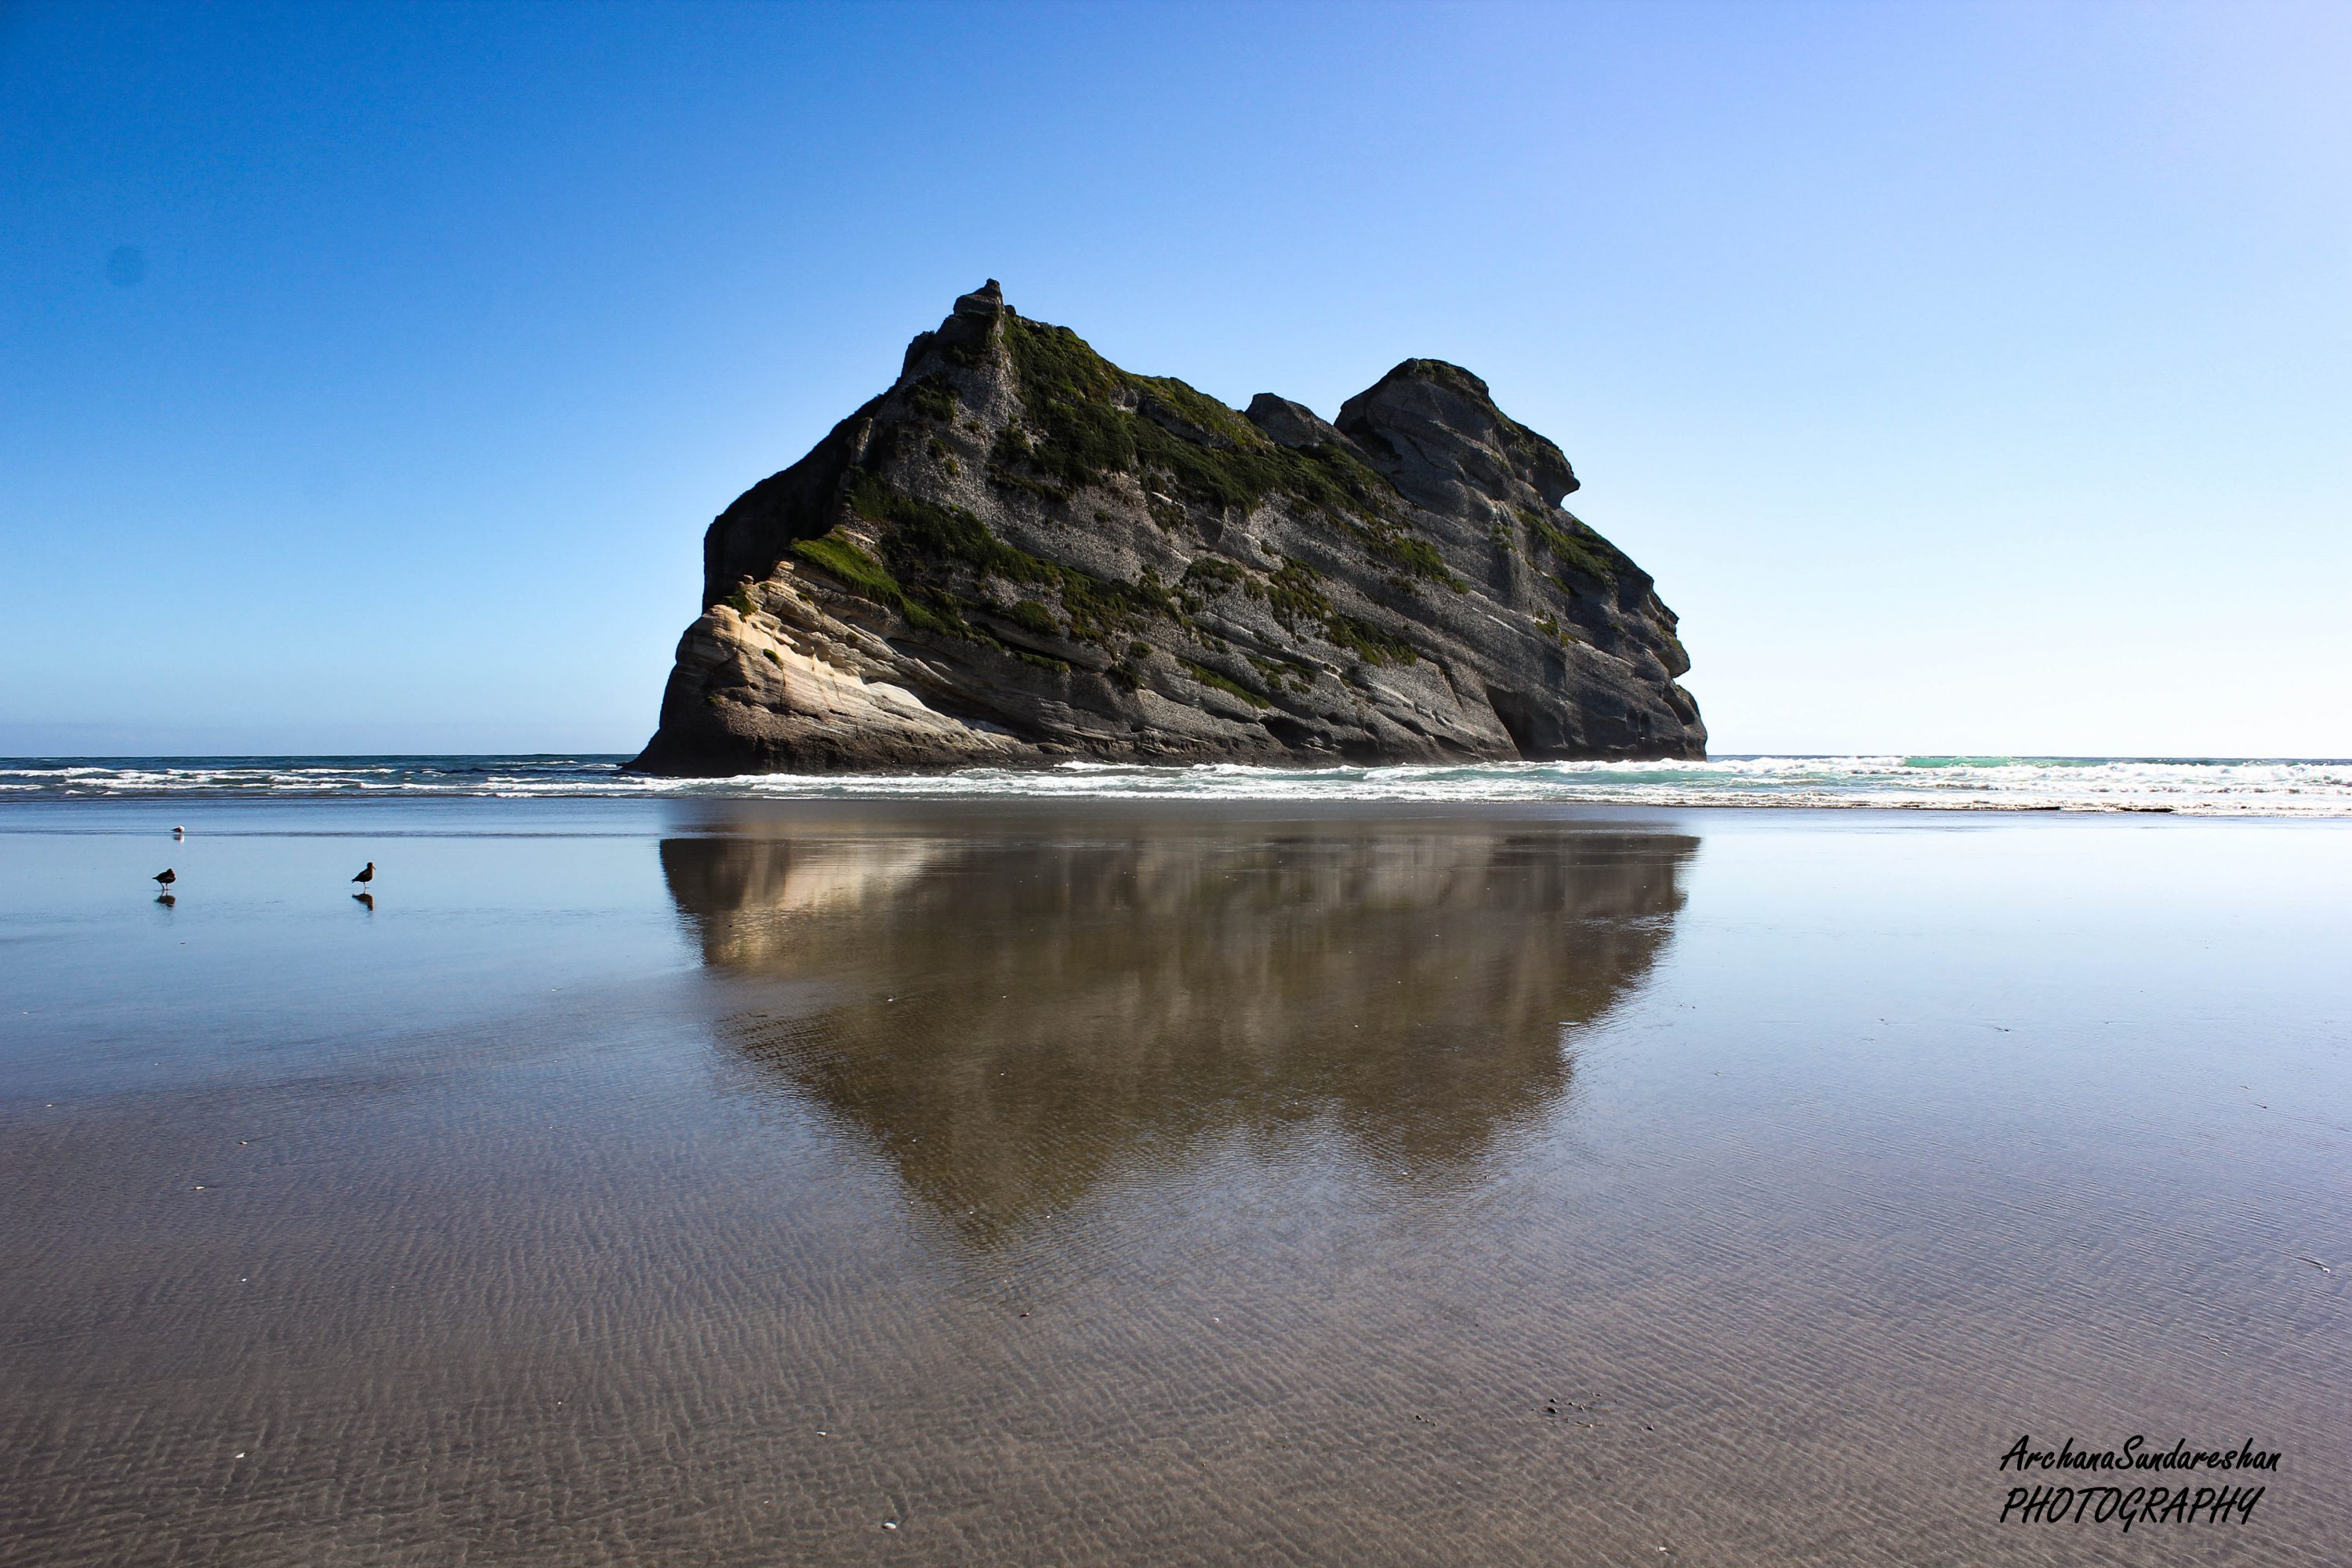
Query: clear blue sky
{"type": "Point", "coordinates": [1972, 378]}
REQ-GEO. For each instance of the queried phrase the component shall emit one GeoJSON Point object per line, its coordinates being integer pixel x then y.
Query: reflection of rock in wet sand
{"type": "Point", "coordinates": [1014, 1015]}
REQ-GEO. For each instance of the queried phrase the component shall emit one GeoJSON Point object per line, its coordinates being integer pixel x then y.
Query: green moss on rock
{"type": "Point", "coordinates": [1551, 628]}
{"type": "Point", "coordinates": [1091, 424]}
{"type": "Point", "coordinates": [934, 397]}
{"type": "Point", "coordinates": [1032, 616]}
{"type": "Point", "coordinates": [1573, 544]}
{"type": "Point", "coordinates": [1368, 642]}
{"type": "Point", "coordinates": [928, 539]}
{"type": "Point", "coordinates": [1224, 683]}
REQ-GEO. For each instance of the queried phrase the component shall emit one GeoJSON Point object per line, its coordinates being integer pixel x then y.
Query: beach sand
{"type": "Point", "coordinates": [714, 1181]}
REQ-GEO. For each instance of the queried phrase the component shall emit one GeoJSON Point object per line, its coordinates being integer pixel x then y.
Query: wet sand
{"type": "Point", "coordinates": [722, 1182]}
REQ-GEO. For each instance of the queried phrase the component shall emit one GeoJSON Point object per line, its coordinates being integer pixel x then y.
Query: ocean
{"type": "Point", "coordinates": [2197, 786]}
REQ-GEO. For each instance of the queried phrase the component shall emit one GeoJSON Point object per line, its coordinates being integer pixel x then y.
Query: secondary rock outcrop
{"type": "Point", "coordinates": [1023, 553]}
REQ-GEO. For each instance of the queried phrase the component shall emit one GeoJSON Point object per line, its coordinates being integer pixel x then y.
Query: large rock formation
{"type": "Point", "coordinates": [1023, 553]}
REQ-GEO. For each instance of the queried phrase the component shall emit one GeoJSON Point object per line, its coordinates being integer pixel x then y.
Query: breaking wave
{"type": "Point", "coordinates": [2202, 786]}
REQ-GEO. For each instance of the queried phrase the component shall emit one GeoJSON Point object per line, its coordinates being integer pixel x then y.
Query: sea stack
{"type": "Point", "coordinates": [1022, 554]}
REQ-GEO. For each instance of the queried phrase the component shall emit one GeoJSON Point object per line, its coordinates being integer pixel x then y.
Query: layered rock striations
{"type": "Point", "coordinates": [1023, 553]}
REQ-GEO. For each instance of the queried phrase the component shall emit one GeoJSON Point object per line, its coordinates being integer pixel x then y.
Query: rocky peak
{"type": "Point", "coordinates": [1434, 429]}
{"type": "Point", "coordinates": [1292, 424]}
{"type": "Point", "coordinates": [985, 301]}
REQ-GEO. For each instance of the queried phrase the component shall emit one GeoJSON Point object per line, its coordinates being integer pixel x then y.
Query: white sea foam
{"type": "Point", "coordinates": [2208, 787]}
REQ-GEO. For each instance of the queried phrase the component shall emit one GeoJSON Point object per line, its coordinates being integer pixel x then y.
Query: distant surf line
{"type": "Point", "coordinates": [2184, 786]}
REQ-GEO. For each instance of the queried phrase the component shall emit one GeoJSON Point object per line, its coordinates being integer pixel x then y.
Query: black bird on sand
{"type": "Point", "coordinates": [367, 873]}
{"type": "Point", "coordinates": [167, 876]}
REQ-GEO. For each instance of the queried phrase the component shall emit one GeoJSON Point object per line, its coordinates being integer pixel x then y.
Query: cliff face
{"type": "Point", "coordinates": [1023, 553]}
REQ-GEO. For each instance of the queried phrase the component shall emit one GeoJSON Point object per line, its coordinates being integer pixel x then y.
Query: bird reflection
{"type": "Point", "coordinates": [1012, 1018]}
{"type": "Point", "coordinates": [365, 901]}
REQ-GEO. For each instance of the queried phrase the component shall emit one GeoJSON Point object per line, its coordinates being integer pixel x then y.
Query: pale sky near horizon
{"type": "Point", "coordinates": [1972, 378]}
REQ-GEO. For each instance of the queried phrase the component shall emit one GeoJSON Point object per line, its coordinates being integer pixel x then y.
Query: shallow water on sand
{"type": "Point", "coordinates": [688, 1181]}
